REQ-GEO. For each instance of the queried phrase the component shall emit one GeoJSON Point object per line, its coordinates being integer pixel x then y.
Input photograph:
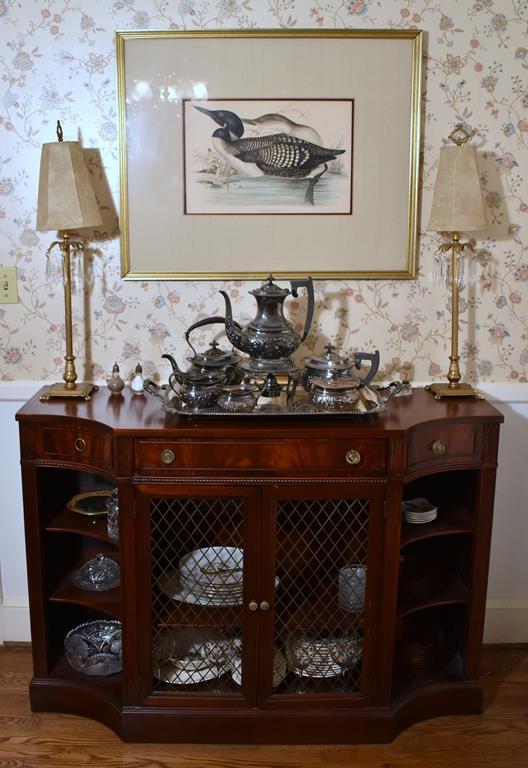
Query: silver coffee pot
{"type": "Point", "coordinates": [269, 339]}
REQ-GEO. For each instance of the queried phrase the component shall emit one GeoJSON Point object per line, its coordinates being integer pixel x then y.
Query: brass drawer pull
{"type": "Point", "coordinates": [168, 456]}
{"type": "Point", "coordinates": [438, 448]}
{"type": "Point", "coordinates": [353, 457]}
{"type": "Point", "coordinates": [253, 605]}
{"type": "Point", "coordinates": [264, 606]}
{"type": "Point", "coordinates": [80, 444]}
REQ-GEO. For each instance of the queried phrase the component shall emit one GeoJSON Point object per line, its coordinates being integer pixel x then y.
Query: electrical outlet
{"type": "Point", "coordinates": [8, 285]}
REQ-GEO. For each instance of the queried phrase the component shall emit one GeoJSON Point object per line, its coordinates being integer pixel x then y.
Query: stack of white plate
{"type": "Point", "coordinates": [208, 576]}
{"type": "Point", "coordinates": [325, 657]}
{"type": "Point", "coordinates": [279, 668]}
{"type": "Point", "coordinates": [418, 511]}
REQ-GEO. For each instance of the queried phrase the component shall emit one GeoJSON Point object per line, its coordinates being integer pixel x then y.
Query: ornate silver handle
{"type": "Point", "coordinates": [253, 605]}
{"type": "Point", "coordinates": [353, 457]}
{"type": "Point", "coordinates": [264, 606]}
{"type": "Point", "coordinates": [80, 444]}
{"type": "Point", "coordinates": [438, 448]}
{"type": "Point", "coordinates": [167, 456]}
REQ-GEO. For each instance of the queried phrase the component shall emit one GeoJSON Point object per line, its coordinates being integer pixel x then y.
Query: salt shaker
{"type": "Point", "coordinates": [136, 384]}
{"type": "Point", "coordinates": [115, 383]}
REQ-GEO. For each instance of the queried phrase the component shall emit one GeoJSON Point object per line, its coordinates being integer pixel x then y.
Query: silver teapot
{"type": "Point", "coordinates": [329, 365]}
{"type": "Point", "coordinates": [269, 339]}
{"type": "Point", "coordinates": [215, 359]}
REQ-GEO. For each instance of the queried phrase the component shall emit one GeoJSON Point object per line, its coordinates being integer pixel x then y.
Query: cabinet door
{"type": "Point", "coordinates": [319, 593]}
{"type": "Point", "coordinates": [195, 584]}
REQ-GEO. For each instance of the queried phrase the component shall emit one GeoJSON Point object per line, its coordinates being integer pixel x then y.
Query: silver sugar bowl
{"type": "Point", "coordinates": [333, 394]}
{"type": "Point", "coordinates": [238, 398]}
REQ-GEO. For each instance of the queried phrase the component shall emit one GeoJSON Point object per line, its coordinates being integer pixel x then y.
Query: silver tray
{"type": "Point", "coordinates": [301, 405]}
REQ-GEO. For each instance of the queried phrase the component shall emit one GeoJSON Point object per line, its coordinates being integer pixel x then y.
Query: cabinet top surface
{"type": "Point", "coordinates": [132, 414]}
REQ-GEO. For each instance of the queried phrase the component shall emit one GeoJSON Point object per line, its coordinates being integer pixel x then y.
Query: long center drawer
{"type": "Point", "coordinates": [360, 457]}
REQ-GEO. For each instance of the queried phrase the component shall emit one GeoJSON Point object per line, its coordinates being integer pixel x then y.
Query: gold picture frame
{"type": "Point", "coordinates": [168, 77]}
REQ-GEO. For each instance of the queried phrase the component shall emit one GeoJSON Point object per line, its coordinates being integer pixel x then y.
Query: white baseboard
{"type": "Point", "coordinates": [14, 623]}
{"type": "Point", "coordinates": [506, 622]}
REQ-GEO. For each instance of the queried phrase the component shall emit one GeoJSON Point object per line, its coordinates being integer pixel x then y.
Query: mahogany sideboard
{"type": "Point", "coordinates": [303, 498]}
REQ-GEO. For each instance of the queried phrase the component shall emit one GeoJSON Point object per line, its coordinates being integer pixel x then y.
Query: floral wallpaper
{"type": "Point", "coordinates": [57, 61]}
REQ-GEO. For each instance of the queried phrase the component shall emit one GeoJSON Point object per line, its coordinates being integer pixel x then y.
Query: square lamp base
{"type": "Point", "coordinates": [444, 389]}
{"type": "Point", "coordinates": [60, 389]}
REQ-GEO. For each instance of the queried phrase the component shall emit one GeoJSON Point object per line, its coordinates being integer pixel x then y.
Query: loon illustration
{"type": "Point", "coordinates": [282, 155]}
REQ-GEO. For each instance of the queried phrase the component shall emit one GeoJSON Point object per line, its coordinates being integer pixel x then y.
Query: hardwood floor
{"type": "Point", "coordinates": [498, 738]}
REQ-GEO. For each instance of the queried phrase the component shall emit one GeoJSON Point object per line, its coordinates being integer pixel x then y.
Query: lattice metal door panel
{"type": "Point", "coordinates": [321, 565]}
{"type": "Point", "coordinates": [197, 556]}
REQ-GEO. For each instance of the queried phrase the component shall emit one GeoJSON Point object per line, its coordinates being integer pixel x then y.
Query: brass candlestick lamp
{"type": "Point", "coordinates": [66, 201]}
{"type": "Point", "coordinates": [458, 206]}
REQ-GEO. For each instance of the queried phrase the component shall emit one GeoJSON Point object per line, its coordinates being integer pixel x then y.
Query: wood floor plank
{"type": "Point", "coordinates": [496, 739]}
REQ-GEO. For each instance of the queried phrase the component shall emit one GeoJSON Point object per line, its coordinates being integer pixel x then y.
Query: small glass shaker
{"type": "Point", "coordinates": [112, 517]}
{"type": "Point", "coordinates": [406, 389]}
{"type": "Point", "coordinates": [115, 383]}
{"type": "Point", "coordinates": [137, 381]}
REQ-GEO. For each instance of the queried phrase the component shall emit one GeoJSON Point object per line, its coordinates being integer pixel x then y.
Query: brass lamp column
{"type": "Point", "coordinates": [66, 201]}
{"type": "Point", "coordinates": [457, 206]}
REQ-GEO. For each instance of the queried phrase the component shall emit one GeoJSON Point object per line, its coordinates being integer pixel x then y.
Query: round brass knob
{"type": "Point", "coordinates": [168, 456]}
{"type": "Point", "coordinates": [353, 457]}
{"type": "Point", "coordinates": [264, 606]}
{"type": "Point", "coordinates": [80, 444]}
{"type": "Point", "coordinates": [438, 448]}
{"type": "Point", "coordinates": [253, 605]}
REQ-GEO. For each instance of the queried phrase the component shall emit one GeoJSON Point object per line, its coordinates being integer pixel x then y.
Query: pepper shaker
{"type": "Point", "coordinates": [115, 383]}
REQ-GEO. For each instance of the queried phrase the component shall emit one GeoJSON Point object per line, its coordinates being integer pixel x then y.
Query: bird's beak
{"type": "Point", "coordinates": [211, 113]}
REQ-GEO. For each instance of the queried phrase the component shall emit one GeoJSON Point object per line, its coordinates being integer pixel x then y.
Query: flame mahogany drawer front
{"type": "Point", "coordinates": [444, 444]}
{"type": "Point", "coordinates": [78, 444]}
{"type": "Point", "coordinates": [359, 456]}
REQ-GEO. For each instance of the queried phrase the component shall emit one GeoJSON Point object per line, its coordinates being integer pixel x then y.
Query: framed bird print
{"type": "Point", "coordinates": [245, 153]}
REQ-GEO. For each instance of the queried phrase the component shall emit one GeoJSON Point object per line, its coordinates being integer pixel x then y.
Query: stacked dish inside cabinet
{"type": "Point", "coordinates": [199, 578]}
{"type": "Point", "coordinates": [436, 551]}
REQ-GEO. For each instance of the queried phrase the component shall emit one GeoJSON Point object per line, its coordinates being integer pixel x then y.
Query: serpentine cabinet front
{"type": "Point", "coordinates": [270, 591]}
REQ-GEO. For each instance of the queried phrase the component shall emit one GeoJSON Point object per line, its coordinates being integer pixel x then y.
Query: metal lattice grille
{"type": "Point", "coordinates": [197, 572]}
{"type": "Point", "coordinates": [321, 563]}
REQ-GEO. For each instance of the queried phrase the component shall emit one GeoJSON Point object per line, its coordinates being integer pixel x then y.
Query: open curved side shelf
{"type": "Point", "coordinates": [455, 593]}
{"type": "Point", "coordinates": [67, 521]}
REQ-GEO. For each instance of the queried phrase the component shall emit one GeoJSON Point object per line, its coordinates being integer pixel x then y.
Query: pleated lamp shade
{"type": "Point", "coordinates": [66, 199]}
{"type": "Point", "coordinates": [458, 204]}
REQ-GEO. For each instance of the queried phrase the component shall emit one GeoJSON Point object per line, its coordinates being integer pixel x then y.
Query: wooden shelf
{"type": "Point", "coordinates": [186, 615]}
{"type": "Point", "coordinates": [315, 617]}
{"type": "Point", "coordinates": [454, 593]}
{"type": "Point", "coordinates": [452, 523]}
{"type": "Point", "coordinates": [107, 602]}
{"type": "Point", "coordinates": [67, 521]}
{"type": "Point", "coordinates": [452, 671]}
{"type": "Point", "coordinates": [110, 687]}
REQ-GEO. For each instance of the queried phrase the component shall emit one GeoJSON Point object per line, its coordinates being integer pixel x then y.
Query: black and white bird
{"type": "Point", "coordinates": [282, 155]}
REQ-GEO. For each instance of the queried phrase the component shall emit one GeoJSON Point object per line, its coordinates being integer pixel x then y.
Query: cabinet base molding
{"type": "Point", "coordinates": [339, 725]}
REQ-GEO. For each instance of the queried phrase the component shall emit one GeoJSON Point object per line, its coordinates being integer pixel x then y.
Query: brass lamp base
{"type": "Point", "coordinates": [444, 389]}
{"type": "Point", "coordinates": [62, 390]}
